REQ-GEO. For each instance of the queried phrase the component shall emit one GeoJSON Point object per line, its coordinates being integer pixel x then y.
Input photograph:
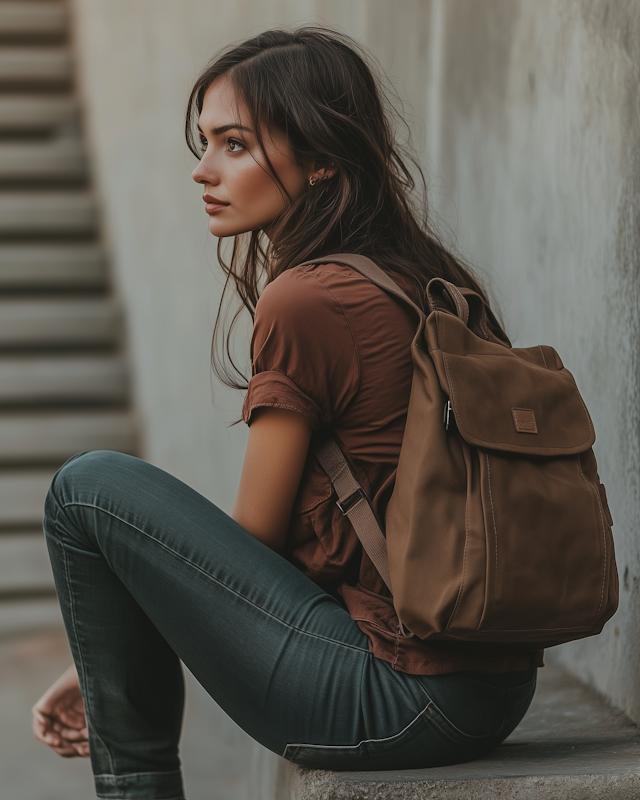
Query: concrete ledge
{"type": "Point", "coordinates": [570, 746]}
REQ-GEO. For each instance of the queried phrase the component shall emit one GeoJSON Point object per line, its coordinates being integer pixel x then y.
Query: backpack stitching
{"type": "Point", "coordinates": [495, 531]}
{"type": "Point", "coordinates": [483, 324]}
{"type": "Point", "coordinates": [544, 360]}
{"type": "Point", "coordinates": [458, 304]}
{"type": "Point", "coordinates": [464, 565]}
{"type": "Point", "coordinates": [604, 534]}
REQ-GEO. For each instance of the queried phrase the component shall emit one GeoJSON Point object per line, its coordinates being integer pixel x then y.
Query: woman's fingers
{"type": "Point", "coordinates": [68, 742]}
{"type": "Point", "coordinates": [71, 749]}
{"type": "Point", "coordinates": [73, 734]}
{"type": "Point", "coordinates": [66, 750]}
{"type": "Point", "coordinates": [59, 720]}
{"type": "Point", "coordinates": [82, 749]}
{"type": "Point", "coordinates": [67, 717]}
{"type": "Point", "coordinates": [42, 726]}
{"type": "Point", "coordinates": [64, 746]}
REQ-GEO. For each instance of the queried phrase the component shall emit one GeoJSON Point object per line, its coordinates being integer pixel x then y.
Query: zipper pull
{"type": "Point", "coordinates": [448, 415]}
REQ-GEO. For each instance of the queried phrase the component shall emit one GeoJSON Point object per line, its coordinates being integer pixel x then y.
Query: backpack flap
{"type": "Point", "coordinates": [519, 400]}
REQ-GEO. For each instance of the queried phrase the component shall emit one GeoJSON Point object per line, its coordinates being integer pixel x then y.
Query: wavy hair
{"type": "Point", "coordinates": [318, 87]}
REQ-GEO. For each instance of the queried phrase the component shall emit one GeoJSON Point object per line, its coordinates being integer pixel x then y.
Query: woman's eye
{"type": "Point", "coordinates": [234, 145]}
{"type": "Point", "coordinates": [204, 143]}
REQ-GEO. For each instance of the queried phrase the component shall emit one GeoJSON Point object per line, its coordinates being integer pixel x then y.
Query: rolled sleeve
{"type": "Point", "coordinates": [274, 390]}
{"type": "Point", "coordinates": [303, 352]}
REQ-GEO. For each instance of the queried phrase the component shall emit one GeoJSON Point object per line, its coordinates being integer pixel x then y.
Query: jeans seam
{"type": "Point", "coordinates": [214, 579]}
{"type": "Point", "coordinates": [67, 576]}
{"type": "Point", "coordinates": [111, 797]}
{"type": "Point", "coordinates": [471, 736]}
{"type": "Point", "coordinates": [136, 774]}
{"type": "Point", "coordinates": [362, 741]}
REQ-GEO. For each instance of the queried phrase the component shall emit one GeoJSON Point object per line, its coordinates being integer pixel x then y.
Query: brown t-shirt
{"type": "Point", "coordinates": [332, 346]}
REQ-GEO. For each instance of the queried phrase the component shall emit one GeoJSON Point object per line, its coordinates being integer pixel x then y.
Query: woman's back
{"type": "Point", "coordinates": [334, 347]}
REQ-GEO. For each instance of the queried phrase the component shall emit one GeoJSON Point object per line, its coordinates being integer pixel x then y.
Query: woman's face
{"type": "Point", "coordinates": [239, 192]}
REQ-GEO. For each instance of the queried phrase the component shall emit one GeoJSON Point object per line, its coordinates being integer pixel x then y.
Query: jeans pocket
{"type": "Point", "coordinates": [429, 740]}
{"type": "Point", "coordinates": [455, 735]}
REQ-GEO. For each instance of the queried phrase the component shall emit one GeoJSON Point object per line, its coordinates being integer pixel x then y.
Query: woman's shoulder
{"type": "Point", "coordinates": [308, 287]}
{"type": "Point", "coordinates": [314, 289]}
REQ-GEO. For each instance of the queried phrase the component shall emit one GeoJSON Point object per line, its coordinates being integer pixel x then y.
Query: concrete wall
{"type": "Point", "coordinates": [538, 154]}
{"type": "Point", "coordinates": [526, 114]}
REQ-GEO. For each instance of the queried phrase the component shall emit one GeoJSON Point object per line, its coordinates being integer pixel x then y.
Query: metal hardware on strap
{"type": "Point", "coordinates": [348, 503]}
{"type": "Point", "coordinates": [448, 415]}
{"type": "Point", "coordinates": [350, 493]}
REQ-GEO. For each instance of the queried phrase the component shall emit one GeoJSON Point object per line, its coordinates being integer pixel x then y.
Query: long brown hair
{"type": "Point", "coordinates": [316, 87]}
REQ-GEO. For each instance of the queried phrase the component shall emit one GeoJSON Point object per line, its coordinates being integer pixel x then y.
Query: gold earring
{"type": "Point", "coordinates": [313, 180]}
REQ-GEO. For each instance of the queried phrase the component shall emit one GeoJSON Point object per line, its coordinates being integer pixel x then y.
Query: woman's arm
{"type": "Point", "coordinates": [271, 472]}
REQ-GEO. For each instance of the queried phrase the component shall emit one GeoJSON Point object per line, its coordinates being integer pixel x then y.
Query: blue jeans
{"type": "Point", "coordinates": [149, 572]}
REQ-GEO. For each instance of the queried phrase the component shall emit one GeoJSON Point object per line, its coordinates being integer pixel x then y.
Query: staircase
{"type": "Point", "coordinates": [63, 373]}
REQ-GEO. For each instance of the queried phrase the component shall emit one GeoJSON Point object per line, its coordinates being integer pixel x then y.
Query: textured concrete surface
{"type": "Point", "coordinates": [570, 746]}
{"type": "Point", "coordinates": [538, 163]}
{"type": "Point", "coordinates": [213, 747]}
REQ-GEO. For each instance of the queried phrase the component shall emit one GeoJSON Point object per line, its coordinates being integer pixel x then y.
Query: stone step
{"type": "Point", "coordinates": [36, 66]}
{"type": "Point", "coordinates": [24, 563]}
{"type": "Point", "coordinates": [53, 322]}
{"type": "Point", "coordinates": [570, 746]}
{"type": "Point", "coordinates": [63, 379]}
{"type": "Point", "coordinates": [36, 112]}
{"type": "Point", "coordinates": [55, 436]}
{"type": "Point", "coordinates": [51, 266]}
{"type": "Point", "coordinates": [59, 160]}
{"type": "Point", "coordinates": [20, 617]}
{"type": "Point", "coordinates": [47, 213]}
{"type": "Point", "coordinates": [22, 495]}
{"type": "Point", "coordinates": [33, 19]}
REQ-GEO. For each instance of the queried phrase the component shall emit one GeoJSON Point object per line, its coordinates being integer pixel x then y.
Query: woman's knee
{"type": "Point", "coordinates": [85, 473]}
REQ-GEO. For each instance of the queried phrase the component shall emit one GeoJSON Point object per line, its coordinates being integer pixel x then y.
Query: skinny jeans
{"type": "Point", "coordinates": [149, 572]}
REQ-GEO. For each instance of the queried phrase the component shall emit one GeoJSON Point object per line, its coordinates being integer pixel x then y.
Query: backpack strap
{"type": "Point", "coordinates": [352, 499]}
{"type": "Point", "coordinates": [354, 504]}
{"type": "Point", "coordinates": [442, 295]}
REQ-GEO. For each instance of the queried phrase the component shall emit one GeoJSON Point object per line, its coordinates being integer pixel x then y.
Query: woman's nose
{"type": "Point", "coordinates": [198, 174]}
{"type": "Point", "coordinates": [204, 173]}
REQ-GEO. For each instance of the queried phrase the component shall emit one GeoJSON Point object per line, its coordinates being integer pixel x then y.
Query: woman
{"type": "Point", "coordinates": [275, 609]}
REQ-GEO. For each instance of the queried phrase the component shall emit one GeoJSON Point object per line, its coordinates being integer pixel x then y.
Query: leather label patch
{"type": "Point", "coordinates": [525, 420]}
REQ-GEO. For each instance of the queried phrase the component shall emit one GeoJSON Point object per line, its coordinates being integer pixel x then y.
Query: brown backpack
{"type": "Point", "coordinates": [498, 529]}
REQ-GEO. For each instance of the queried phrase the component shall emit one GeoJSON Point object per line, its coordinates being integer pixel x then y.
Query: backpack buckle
{"type": "Point", "coordinates": [349, 502]}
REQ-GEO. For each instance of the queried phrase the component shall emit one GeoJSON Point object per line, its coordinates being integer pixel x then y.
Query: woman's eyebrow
{"type": "Point", "coordinates": [224, 128]}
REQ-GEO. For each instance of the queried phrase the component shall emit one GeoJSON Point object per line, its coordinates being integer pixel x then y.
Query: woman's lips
{"type": "Point", "coordinates": [211, 208]}
{"type": "Point", "coordinates": [213, 204]}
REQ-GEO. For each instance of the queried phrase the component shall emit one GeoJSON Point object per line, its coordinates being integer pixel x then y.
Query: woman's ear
{"type": "Point", "coordinates": [322, 172]}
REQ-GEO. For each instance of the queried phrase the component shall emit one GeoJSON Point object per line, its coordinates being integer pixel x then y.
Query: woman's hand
{"type": "Point", "coordinates": [58, 717]}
